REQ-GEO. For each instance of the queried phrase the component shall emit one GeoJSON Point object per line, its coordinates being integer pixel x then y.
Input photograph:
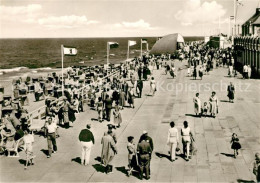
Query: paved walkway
{"type": "Point", "coordinates": [213, 162]}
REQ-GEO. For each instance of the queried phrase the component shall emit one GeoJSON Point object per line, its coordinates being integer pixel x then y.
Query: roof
{"type": "Point", "coordinates": [167, 44]}
{"type": "Point", "coordinates": [257, 21]}
{"type": "Point", "coordinates": [254, 18]}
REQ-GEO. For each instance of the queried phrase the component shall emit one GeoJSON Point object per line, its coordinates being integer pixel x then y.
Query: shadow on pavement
{"type": "Point", "coordinates": [192, 115]}
{"type": "Point", "coordinates": [46, 152]}
{"type": "Point", "coordinates": [160, 155]}
{"type": "Point", "coordinates": [77, 160]}
{"type": "Point", "coordinates": [22, 161]}
{"type": "Point", "coordinates": [241, 180]}
{"type": "Point", "coordinates": [224, 101]}
{"type": "Point", "coordinates": [94, 119]}
{"type": "Point", "coordinates": [134, 173]}
{"type": "Point", "coordinates": [228, 155]}
{"type": "Point", "coordinates": [99, 168]}
{"type": "Point", "coordinates": [98, 158]}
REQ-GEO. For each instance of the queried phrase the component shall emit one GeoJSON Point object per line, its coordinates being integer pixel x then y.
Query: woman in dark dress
{"type": "Point", "coordinates": [235, 145]}
{"type": "Point", "coordinates": [231, 92]}
{"type": "Point", "coordinates": [195, 73]}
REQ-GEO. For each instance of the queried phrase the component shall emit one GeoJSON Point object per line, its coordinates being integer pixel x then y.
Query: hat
{"type": "Point", "coordinates": [88, 126]}
{"type": "Point", "coordinates": [145, 132]}
{"type": "Point", "coordinates": [110, 126]}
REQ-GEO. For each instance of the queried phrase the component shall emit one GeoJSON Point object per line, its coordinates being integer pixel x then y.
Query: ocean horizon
{"type": "Point", "coordinates": [36, 53]}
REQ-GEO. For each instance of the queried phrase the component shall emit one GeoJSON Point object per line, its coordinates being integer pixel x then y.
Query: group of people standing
{"type": "Point", "coordinates": [212, 108]}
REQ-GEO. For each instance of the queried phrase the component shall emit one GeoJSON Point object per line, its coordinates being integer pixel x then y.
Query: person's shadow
{"type": "Point", "coordinates": [228, 155]}
{"type": "Point", "coordinates": [22, 161]}
{"type": "Point", "coordinates": [134, 173]}
{"type": "Point", "coordinates": [99, 168]}
{"type": "Point", "coordinates": [46, 152]}
{"type": "Point", "coordinates": [77, 160]}
{"type": "Point", "coordinates": [241, 180]}
{"type": "Point", "coordinates": [160, 155]}
{"type": "Point", "coordinates": [193, 115]}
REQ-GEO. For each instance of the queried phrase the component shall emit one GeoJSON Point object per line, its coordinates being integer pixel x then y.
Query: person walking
{"type": "Point", "coordinates": [122, 96]}
{"type": "Point", "coordinates": [231, 92]}
{"type": "Point", "coordinates": [139, 88]}
{"type": "Point", "coordinates": [117, 116]}
{"type": "Point", "coordinates": [152, 86]}
{"type": "Point", "coordinates": [144, 152]}
{"type": "Point", "coordinates": [87, 140]}
{"type": "Point", "coordinates": [28, 148]}
{"type": "Point", "coordinates": [173, 140]}
{"type": "Point", "coordinates": [197, 105]}
{"type": "Point", "coordinates": [131, 153]}
{"type": "Point", "coordinates": [186, 140]}
{"type": "Point", "coordinates": [213, 101]}
{"type": "Point", "coordinates": [235, 145]}
{"type": "Point", "coordinates": [51, 137]}
{"type": "Point", "coordinates": [131, 97]}
{"type": "Point", "coordinates": [256, 167]}
{"type": "Point", "coordinates": [108, 107]}
{"type": "Point", "coordinates": [109, 150]}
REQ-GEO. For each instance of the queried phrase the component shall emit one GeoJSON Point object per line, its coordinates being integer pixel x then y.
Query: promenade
{"type": "Point", "coordinates": [213, 162]}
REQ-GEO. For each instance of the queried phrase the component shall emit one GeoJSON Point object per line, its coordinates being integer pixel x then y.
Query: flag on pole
{"type": "Point", "coordinates": [131, 43]}
{"type": "Point", "coordinates": [113, 45]}
{"type": "Point", "coordinates": [69, 51]}
{"type": "Point", "coordinates": [143, 40]}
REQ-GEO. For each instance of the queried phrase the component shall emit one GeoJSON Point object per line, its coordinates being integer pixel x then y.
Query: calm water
{"type": "Point", "coordinates": [36, 53]}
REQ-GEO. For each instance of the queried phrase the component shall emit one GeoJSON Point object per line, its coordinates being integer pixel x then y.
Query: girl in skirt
{"type": "Point", "coordinates": [235, 144]}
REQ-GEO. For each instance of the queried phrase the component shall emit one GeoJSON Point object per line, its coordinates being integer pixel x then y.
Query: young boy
{"type": "Point", "coordinates": [131, 152]}
{"type": "Point", "coordinates": [205, 109]}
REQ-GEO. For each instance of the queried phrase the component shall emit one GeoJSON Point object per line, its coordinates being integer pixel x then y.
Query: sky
{"type": "Point", "coordinates": [118, 18]}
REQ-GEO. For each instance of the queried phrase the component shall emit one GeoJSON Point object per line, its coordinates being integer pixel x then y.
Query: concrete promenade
{"type": "Point", "coordinates": [213, 162]}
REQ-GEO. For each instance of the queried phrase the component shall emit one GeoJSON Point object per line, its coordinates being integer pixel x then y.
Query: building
{"type": "Point", "coordinates": [252, 25]}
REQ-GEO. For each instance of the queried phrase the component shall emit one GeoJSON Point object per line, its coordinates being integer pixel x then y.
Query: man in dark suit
{"type": "Point", "coordinates": [108, 107]}
{"type": "Point", "coordinates": [139, 87]}
{"type": "Point", "coordinates": [144, 151]}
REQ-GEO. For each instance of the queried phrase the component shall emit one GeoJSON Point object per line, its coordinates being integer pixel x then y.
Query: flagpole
{"type": "Point", "coordinates": [107, 56]}
{"type": "Point", "coordinates": [141, 48]}
{"type": "Point", "coordinates": [62, 84]}
{"type": "Point", "coordinates": [235, 16]}
{"type": "Point", "coordinates": [128, 51]}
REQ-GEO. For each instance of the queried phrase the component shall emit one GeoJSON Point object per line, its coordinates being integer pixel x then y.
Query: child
{"type": "Point", "coordinates": [235, 144]}
{"type": "Point", "coordinates": [256, 169]}
{"type": "Point", "coordinates": [28, 147]}
{"type": "Point", "coordinates": [188, 71]}
{"type": "Point", "coordinates": [117, 116]}
{"type": "Point", "coordinates": [131, 153]}
{"type": "Point", "coordinates": [205, 109]}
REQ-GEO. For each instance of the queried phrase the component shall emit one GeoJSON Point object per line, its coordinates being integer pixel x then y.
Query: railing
{"type": "Point", "coordinates": [40, 112]}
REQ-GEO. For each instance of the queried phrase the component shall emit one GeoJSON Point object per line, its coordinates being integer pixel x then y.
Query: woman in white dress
{"type": "Point", "coordinates": [213, 101]}
{"type": "Point", "coordinates": [197, 105]}
{"type": "Point", "coordinates": [152, 86]}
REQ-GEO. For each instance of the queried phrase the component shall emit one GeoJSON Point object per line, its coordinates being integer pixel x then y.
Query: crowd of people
{"type": "Point", "coordinates": [109, 94]}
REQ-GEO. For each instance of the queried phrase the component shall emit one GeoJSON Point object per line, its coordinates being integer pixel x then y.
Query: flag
{"type": "Point", "coordinates": [113, 44]}
{"type": "Point", "coordinates": [143, 40]}
{"type": "Point", "coordinates": [70, 51]}
{"type": "Point", "coordinates": [131, 43]}
{"type": "Point", "coordinates": [232, 17]}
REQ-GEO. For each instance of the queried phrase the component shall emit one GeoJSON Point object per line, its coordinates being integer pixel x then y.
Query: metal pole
{"type": "Point", "coordinates": [128, 50]}
{"type": "Point", "coordinates": [235, 16]}
{"type": "Point", "coordinates": [62, 83]}
{"type": "Point", "coordinates": [141, 48]}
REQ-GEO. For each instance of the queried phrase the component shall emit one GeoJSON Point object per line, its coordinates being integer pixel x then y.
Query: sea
{"type": "Point", "coordinates": [34, 56]}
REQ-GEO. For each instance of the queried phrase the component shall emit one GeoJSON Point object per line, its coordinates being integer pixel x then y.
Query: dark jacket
{"type": "Point", "coordinates": [147, 139]}
{"type": "Point", "coordinates": [108, 103]}
{"type": "Point", "coordinates": [86, 136]}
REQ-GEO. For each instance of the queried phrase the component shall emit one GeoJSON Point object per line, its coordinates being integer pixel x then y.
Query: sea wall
{"type": "Point", "coordinates": [247, 51]}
